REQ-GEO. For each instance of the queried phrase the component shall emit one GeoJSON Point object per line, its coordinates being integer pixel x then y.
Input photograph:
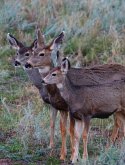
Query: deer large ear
{"type": "Point", "coordinates": [65, 65]}
{"type": "Point", "coordinates": [34, 45]}
{"type": "Point", "coordinates": [40, 37]}
{"type": "Point", "coordinates": [55, 44]}
{"type": "Point", "coordinates": [14, 42]}
{"type": "Point", "coordinates": [56, 58]}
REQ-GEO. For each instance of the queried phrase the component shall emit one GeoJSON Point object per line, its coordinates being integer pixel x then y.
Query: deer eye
{"type": "Point", "coordinates": [41, 54]}
{"type": "Point", "coordinates": [27, 54]}
{"type": "Point", "coordinates": [17, 53]}
{"type": "Point", "coordinates": [53, 74]}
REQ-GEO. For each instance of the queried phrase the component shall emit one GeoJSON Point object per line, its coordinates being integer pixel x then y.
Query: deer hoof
{"type": "Point", "coordinates": [63, 155]}
{"type": "Point", "coordinates": [70, 162]}
{"type": "Point", "coordinates": [51, 146]}
{"type": "Point", "coordinates": [85, 157]}
{"type": "Point", "coordinates": [62, 158]}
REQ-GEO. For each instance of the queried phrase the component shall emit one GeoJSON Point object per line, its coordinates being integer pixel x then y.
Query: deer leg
{"type": "Point", "coordinates": [123, 124]}
{"type": "Point", "coordinates": [85, 138]}
{"type": "Point", "coordinates": [121, 131]}
{"type": "Point", "coordinates": [53, 115]}
{"type": "Point", "coordinates": [115, 130]}
{"type": "Point", "coordinates": [117, 125]}
{"type": "Point", "coordinates": [72, 124]}
{"type": "Point", "coordinates": [124, 129]}
{"type": "Point", "coordinates": [63, 128]}
{"type": "Point", "coordinates": [79, 126]}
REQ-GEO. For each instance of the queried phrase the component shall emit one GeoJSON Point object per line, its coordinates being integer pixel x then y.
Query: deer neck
{"type": "Point", "coordinates": [68, 84]}
{"type": "Point", "coordinates": [60, 86]}
{"type": "Point", "coordinates": [44, 71]}
{"type": "Point", "coordinates": [64, 88]}
{"type": "Point", "coordinates": [51, 88]}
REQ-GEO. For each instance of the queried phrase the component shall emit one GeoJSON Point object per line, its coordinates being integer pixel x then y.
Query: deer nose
{"type": "Point", "coordinates": [17, 63]}
{"type": "Point", "coordinates": [43, 82]}
{"type": "Point", "coordinates": [27, 65]}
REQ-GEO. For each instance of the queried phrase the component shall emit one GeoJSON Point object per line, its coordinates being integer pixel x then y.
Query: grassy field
{"type": "Point", "coordinates": [95, 34]}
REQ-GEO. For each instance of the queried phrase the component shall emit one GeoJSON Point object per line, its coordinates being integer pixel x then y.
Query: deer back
{"type": "Point", "coordinates": [95, 101]}
{"type": "Point", "coordinates": [92, 92]}
{"type": "Point", "coordinates": [97, 75]}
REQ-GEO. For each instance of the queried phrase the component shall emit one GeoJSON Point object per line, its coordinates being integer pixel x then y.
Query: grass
{"type": "Point", "coordinates": [95, 34]}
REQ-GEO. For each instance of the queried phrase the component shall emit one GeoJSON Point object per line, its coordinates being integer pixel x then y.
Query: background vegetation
{"type": "Point", "coordinates": [95, 34]}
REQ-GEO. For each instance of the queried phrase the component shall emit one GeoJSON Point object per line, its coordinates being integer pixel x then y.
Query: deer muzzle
{"type": "Point", "coordinates": [43, 82]}
{"type": "Point", "coordinates": [17, 63]}
{"type": "Point", "coordinates": [28, 65]}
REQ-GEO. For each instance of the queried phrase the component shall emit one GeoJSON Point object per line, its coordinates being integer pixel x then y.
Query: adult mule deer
{"type": "Point", "coordinates": [44, 61]}
{"type": "Point", "coordinates": [22, 55]}
{"type": "Point", "coordinates": [42, 51]}
{"type": "Point", "coordinates": [89, 94]}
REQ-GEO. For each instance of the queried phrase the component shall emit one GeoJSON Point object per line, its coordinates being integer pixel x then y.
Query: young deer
{"type": "Point", "coordinates": [89, 97]}
{"type": "Point", "coordinates": [52, 97]}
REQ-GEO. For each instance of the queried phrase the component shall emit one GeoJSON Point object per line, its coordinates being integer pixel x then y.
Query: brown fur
{"type": "Point", "coordinates": [52, 91]}
{"type": "Point", "coordinates": [97, 75]}
{"type": "Point", "coordinates": [36, 79]}
{"type": "Point", "coordinates": [55, 98]}
{"type": "Point", "coordinates": [95, 92]}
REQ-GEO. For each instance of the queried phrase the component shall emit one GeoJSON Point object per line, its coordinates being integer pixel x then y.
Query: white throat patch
{"type": "Point", "coordinates": [60, 85]}
{"type": "Point", "coordinates": [44, 70]}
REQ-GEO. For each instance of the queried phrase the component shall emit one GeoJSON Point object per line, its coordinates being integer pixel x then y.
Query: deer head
{"type": "Point", "coordinates": [57, 75]}
{"type": "Point", "coordinates": [22, 52]}
{"type": "Point", "coordinates": [43, 54]}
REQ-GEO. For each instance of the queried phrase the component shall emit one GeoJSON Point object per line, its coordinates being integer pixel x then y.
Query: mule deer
{"type": "Point", "coordinates": [42, 52]}
{"type": "Point", "coordinates": [89, 97]}
{"type": "Point", "coordinates": [97, 73]}
{"type": "Point", "coordinates": [100, 75]}
{"type": "Point", "coordinates": [52, 97]}
{"type": "Point", "coordinates": [22, 55]}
